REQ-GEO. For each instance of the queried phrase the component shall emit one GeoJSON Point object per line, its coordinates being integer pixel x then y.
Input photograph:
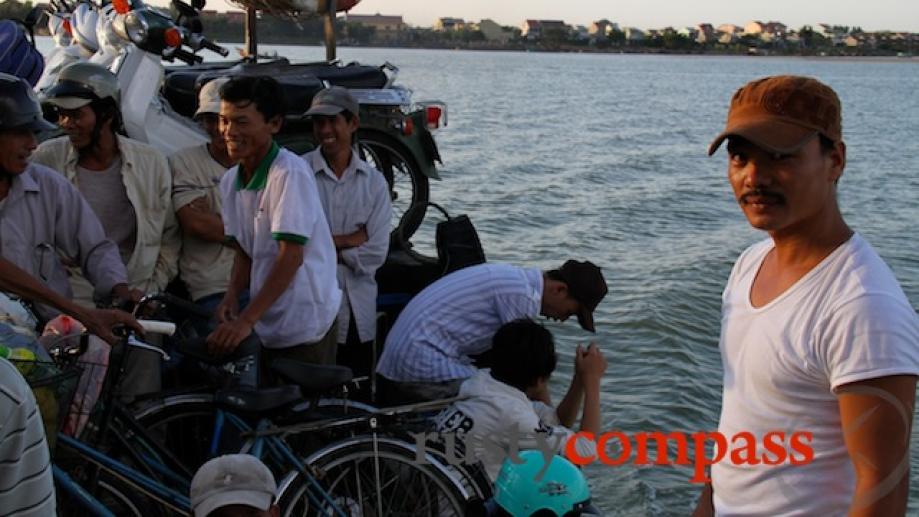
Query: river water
{"type": "Point", "coordinates": [603, 157]}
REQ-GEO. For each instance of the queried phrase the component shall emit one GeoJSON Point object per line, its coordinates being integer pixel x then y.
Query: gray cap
{"type": "Point", "coordinates": [209, 96]}
{"type": "Point", "coordinates": [232, 479]}
{"type": "Point", "coordinates": [332, 101]}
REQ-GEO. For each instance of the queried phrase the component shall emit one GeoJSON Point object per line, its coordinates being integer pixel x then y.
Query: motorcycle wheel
{"type": "Point", "coordinates": [408, 185]}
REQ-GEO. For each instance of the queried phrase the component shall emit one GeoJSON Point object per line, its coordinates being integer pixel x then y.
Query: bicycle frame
{"type": "Point", "coordinates": [168, 497]}
{"type": "Point", "coordinates": [275, 447]}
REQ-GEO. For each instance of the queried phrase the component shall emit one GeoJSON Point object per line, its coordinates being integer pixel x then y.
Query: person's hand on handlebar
{"type": "Point", "coordinates": [227, 337]}
{"type": "Point", "coordinates": [101, 321]}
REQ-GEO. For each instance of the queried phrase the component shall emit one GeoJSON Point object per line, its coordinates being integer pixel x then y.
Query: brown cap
{"type": "Point", "coordinates": [586, 285]}
{"type": "Point", "coordinates": [780, 113]}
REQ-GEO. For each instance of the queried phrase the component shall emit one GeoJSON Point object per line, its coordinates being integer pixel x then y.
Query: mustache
{"type": "Point", "coordinates": [764, 193]}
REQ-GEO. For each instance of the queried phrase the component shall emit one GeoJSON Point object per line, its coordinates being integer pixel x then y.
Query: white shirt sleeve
{"type": "Point", "coordinates": [289, 216]}
{"type": "Point", "coordinates": [874, 335]}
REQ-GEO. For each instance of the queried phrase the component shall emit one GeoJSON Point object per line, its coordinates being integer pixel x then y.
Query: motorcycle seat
{"type": "Point", "coordinates": [299, 81]}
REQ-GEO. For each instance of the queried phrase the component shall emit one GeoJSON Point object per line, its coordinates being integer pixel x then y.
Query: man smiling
{"type": "Point", "coordinates": [284, 251]}
{"type": "Point", "coordinates": [356, 201]}
{"type": "Point", "coordinates": [816, 333]}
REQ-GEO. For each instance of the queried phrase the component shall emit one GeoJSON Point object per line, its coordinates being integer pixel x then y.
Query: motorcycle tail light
{"type": "Point", "coordinates": [408, 127]}
{"type": "Point", "coordinates": [67, 28]}
{"type": "Point", "coordinates": [172, 38]}
{"type": "Point", "coordinates": [432, 114]}
{"type": "Point", "coordinates": [121, 6]}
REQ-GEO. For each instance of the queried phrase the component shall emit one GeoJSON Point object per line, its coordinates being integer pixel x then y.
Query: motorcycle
{"type": "Point", "coordinates": [136, 41]}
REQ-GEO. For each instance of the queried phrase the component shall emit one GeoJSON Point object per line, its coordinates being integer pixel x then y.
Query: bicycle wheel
{"type": "Point", "coordinates": [408, 185]}
{"type": "Point", "coordinates": [184, 424]}
{"type": "Point", "coordinates": [120, 497]}
{"type": "Point", "coordinates": [367, 476]}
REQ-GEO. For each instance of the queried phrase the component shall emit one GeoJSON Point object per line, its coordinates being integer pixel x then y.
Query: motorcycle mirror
{"type": "Point", "coordinates": [33, 16]}
{"type": "Point", "coordinates": [198, 4]}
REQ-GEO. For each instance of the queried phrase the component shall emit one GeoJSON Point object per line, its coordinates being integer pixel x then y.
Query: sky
{"type": "Point", "coordinates": [896, 15]}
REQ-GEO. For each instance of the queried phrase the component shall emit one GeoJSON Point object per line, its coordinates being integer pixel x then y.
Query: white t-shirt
{"type": "Point", "coordinates": [281, 203]}
{"type": "Point", "coordinates": [204, 266]}
{"type": "Point", "coordinates": [497, 411]}
{"type": "Point", "coordinates": [846, 320]}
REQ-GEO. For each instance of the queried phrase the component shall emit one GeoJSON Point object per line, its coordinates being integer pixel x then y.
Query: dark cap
{"type": "Point", "coordinates": [332, 101]}
{"type": "Point", "coordinates": [781, 113]}
{"type": "Point", "coordinates": [586, 285]}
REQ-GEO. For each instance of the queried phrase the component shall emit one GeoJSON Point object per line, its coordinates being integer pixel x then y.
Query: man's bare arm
{"type": "Point", "coordinates": [197, 220]}
{"type": "Point", "coordinates": [99, 322]}
{"type": "Point", "coordinates": [877, 417]}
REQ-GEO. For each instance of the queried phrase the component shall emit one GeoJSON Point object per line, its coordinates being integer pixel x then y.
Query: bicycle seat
{"type": "Point", "coordinates": [196, 348]}
{"type": "Point", "coordinates": [261, 400]}
{"type": "Point", "coordinates": [311, 378]}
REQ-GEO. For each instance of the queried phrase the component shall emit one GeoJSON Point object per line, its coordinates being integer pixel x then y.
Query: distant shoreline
{"type": "Point", "coordinates": [650, 51]}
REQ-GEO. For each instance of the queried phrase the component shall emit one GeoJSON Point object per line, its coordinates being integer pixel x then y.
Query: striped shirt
{"type": "Point", "coordinates": [26, 484]}
{"type": "Point", "coordinates": [456, 317]}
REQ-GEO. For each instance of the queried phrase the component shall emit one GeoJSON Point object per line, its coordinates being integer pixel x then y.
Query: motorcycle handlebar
{"type": "Point", "coordinates": [210, 45]}
{"type": "Point", "coordinates": [186, 56]}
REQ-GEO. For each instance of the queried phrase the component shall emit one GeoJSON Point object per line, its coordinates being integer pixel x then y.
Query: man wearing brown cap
{"type": "Point", "coordinates": [428, 352]}
{"type": "Point", "coordinates": [817, 337]}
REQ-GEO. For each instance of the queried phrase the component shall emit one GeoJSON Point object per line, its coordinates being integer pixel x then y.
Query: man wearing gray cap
{"type": "Point", "coordinates": [235, 485]}
{"type": "Point", "coordinates": [206, 260]}
{"type": "Point", "coordinates": [356, 201]}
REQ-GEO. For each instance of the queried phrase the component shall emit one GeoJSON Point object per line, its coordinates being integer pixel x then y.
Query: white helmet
{"type": "Point", "coordinates": [59, 27]}
{"type": "Point", "coordinates": [83, 22]}
{"type": "Point", "coordinates": [109, 42]}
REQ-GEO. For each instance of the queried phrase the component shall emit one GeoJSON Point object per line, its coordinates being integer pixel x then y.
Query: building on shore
{"type": "Point", "coordinates": [535, 30]}
{"type": "Point", "coordinates": [447, 24]}
{"type": "Point", "coordinates": [386, 27]}
{"type": "Point", "coordinates": [494, 32]}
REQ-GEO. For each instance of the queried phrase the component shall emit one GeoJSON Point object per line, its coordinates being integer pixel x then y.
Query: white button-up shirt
{"type": "Point", "coordinates": [456, 317]}
{"type": "Point", "coordinates": [360, 197]}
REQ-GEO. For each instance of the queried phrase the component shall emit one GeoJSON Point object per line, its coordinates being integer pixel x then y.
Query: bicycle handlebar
{"type": "Point", "coordinates": [172, 300]}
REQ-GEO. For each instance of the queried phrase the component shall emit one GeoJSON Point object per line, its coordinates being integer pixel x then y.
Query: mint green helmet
{"type": "Point", "coordinates": [562, 488]}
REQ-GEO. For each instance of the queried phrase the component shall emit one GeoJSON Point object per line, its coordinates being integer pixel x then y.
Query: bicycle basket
{"type": "Point", "coordinates": [53, 389]}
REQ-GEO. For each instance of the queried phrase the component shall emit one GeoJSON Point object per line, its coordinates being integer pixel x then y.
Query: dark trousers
{"type": "Point", "coordinates": [354, 353]}
{"type": "Point", "coordinates": [318, 352]}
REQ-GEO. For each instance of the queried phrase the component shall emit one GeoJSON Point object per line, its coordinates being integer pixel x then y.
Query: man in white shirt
{"type": "Point", "coordinates": [284, 250]}
{"type": "Point", "coordinates": [817, 337]}
{"type": "Point", "coordinates": [357, 204]}
{"type": "Point", "coordinates": [510, 402]}
{"type": "Point", "coordinates": [206, 260]}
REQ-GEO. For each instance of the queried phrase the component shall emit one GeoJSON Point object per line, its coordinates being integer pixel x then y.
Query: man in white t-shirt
{"type": "Point", "coordinates": [284, 250]}
{"type": "Point", "coordinates": [817, 337]}
{"type": "Point", "coordinates": [206, 259]}
{"type": "Point", "coordinates": [506, 408]}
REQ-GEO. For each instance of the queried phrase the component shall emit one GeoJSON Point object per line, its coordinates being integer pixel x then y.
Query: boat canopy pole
{"type": "Point", "coordinates": [330, 30]}
{"type": "Point", "coordinates": [251, 35]}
